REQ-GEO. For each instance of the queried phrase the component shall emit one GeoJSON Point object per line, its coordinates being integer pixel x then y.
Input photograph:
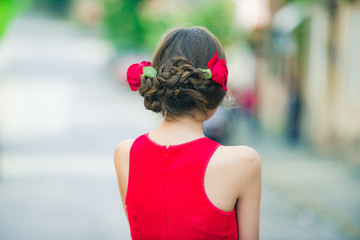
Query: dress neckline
{"type": "Point", "coordinates": [173, 145]}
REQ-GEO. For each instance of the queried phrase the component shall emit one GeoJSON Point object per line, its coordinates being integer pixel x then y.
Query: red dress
{"type": "Point", "coordinates": [166, 198]}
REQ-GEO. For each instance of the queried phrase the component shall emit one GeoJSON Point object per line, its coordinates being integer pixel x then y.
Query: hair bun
{"type": "Point", "coordinates": [149, 89]}
{"type": "Point", "coordinates": [179, 86]}
{"type": "Point", "coordinates": [177, 83]}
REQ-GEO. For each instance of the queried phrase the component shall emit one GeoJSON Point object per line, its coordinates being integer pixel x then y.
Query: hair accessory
{"type": "Point", "coordinates": [138, 70]}
{"type": "Point", "coordinates": [217, 71]}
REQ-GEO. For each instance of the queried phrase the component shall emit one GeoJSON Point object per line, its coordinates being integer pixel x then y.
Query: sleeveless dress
{"type": "Point", "coordinates": [166, 197]}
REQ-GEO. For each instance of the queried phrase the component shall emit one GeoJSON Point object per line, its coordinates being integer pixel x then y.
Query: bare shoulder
{"type": "Point", "coordinates": [122, 151]}
{"type": "Point", "coordinates": [242, 156]}
{"type": "Point", "coordinates": [242, 162]}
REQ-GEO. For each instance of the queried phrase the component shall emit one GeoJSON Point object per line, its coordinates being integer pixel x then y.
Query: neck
{"type": "Point", "coordinates": [185, 125]}
{"type": "Point", "coordinates": [177, 131]}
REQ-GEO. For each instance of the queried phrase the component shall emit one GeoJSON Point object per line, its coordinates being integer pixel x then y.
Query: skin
{"type": "Point", "coordinates": [232, 178]}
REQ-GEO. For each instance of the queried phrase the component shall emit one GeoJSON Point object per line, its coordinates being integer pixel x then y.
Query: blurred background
{"type": "Point", "coordinates": [294, 71]}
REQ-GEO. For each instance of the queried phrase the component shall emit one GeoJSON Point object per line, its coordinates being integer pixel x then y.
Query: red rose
{"type": "Point", "coordinates": [219, 71]}
{"type": "Point", "coordinates": [134, 73]}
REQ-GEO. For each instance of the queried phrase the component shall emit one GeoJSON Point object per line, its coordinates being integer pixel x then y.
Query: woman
{"type": "Point", "coordinates": [174, 182]}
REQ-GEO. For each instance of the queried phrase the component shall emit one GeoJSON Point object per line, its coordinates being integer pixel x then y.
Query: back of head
{"type": "Point", "coordinates": [180, 87]}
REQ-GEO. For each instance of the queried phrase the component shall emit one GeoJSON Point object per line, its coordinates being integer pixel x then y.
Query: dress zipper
{"type": "Point", "coordinates": [166, 220]}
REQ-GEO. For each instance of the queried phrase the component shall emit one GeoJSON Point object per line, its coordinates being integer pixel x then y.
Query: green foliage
{"type": "Point", "coordinates": [122, 23]}
{"type": "Point", "coordinates": [135, 24]}
{"type": "Point", "coordinates": [218, 17]}
{"type": "Point", "coordinates": [8, 10]}
{"type": "Point", "coordinates": [320, 1]}
{"type": "Point", "coordinates": [57, 8]}
{"type": "Point", "coordinates": [289, 1]}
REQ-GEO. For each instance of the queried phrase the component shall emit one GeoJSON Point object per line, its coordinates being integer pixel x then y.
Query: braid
{"type": "Point", "coordinates": [179, 86]}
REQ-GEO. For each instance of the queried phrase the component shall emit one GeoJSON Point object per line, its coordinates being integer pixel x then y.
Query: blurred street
{"type": "Point", "coordinates": [62, 117]}
{"type": "Point", "coordinates": [62, 114]}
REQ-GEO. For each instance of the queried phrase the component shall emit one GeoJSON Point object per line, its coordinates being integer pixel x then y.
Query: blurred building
{"type": "Point", "coordinates": [308, 74]}
{"type": "Point", "coordinates": [334, 110]}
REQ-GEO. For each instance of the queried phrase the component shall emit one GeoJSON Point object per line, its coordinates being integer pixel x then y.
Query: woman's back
{"type": "Point", "coordinates": [188, 190]}
{"type": "Point", "coordinates": [174, 182]}
{"type": "Point", "coordinates": [171, 181]}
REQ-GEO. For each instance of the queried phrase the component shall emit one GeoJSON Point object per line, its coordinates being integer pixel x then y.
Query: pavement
{"type": "Point", "coordinates": [62, 114]}
{"type": "Point", "coordinates": [322, 192]}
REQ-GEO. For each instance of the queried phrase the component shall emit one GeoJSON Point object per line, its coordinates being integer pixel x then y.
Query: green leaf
{"type": "Point", "coordinates": [149, 72]}
{"type": "Point", "coordinates": [208, 71]}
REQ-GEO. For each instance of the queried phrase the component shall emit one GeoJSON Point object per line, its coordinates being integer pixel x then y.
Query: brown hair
{"type": "Point", "coordinates": [179, 86]}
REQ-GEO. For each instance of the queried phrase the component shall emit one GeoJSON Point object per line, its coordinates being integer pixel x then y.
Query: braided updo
{"type": "Point", "coordinates": [179, 86]}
